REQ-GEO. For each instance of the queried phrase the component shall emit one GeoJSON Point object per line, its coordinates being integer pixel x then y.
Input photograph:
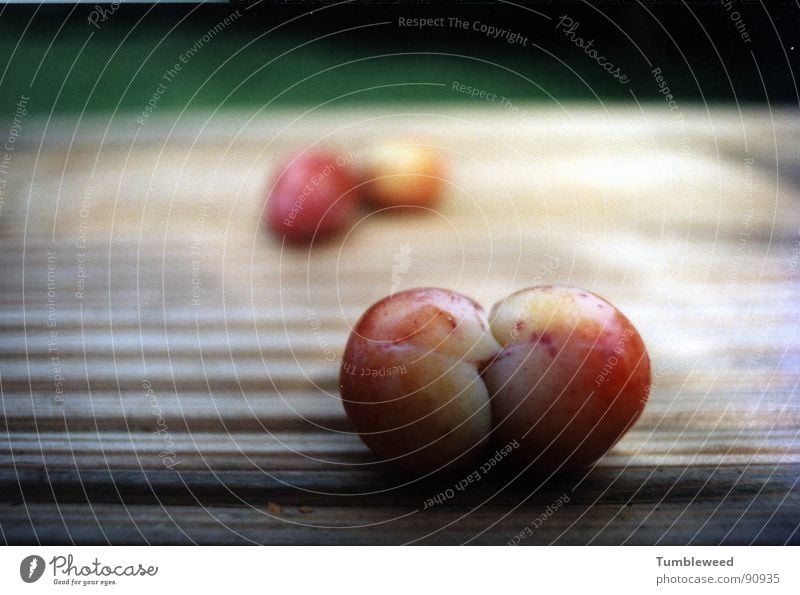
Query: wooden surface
{"type": "Point", "coordinates": [199, 361]}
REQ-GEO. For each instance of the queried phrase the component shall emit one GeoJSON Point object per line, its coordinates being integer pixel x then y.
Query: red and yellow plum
{"type": "Point", "coordinates": [571, 378]}
{"type": "Point", "coordinates": [435, 412]}
{"type": "Point", "coordinates": [404, 175]}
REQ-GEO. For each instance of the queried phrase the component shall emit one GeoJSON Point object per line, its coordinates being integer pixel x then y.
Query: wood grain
{"type": "Point", "coordinates": [167, 368]}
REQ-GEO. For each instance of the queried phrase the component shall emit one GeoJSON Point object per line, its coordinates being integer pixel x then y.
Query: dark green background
{"type": "Point", "coordinates": [121, 64]}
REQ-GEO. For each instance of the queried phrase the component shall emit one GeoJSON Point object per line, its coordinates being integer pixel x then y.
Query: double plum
{"type": "Point", "coordinates": [315, 195]}
{"type": "Point", "coordinates": [428, 382]}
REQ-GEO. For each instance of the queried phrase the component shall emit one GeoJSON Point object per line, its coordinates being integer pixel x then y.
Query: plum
{"type": "Point", "coordinates": [572, 377]}
{"type": "Point", "coordinates": [560, 373]}
{"type": "Point", "coordinates": [404, 175]}
{"type": "Point", "coordinates": [313, 197]}
{"type": "Point", "coordinates": [434, 408]}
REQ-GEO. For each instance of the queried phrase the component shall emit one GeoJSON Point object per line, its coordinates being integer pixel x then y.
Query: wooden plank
{"type": "Point", "coordinates": [700, 250]}
{"type": "Point", "coordinates": [316, 446]}
{"type": "Point", "coordinates": [726, 506]}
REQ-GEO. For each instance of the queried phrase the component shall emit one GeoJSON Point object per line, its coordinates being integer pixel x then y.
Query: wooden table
{"type": "Point", "coordinates": [169, 371]}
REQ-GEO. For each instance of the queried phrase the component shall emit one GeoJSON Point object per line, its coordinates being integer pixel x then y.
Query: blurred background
{"type": "Point", "coordinates": [169, 367]}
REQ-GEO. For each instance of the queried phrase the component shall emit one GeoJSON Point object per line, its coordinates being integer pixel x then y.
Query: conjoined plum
{"type": "Point", "coordinates": [559, 372]}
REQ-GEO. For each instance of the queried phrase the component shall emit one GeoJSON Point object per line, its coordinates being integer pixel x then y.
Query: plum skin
{"type": "Point", "coordinates": [559, 370]}
{"type": "Point", "coordinates": [404, 175]}
{"type": "Point", "coordinates": [312, 197]}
